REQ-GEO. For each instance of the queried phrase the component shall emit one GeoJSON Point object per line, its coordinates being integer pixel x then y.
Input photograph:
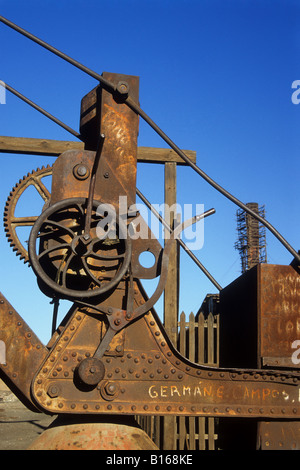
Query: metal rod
{"type": "Point", "coordinates": [135, 107]}
{"type": "Point", "coordinates": [182, 244]}
{"type": "Point", "coordinates": [209, 180]}
{"type": "Point", "coordinates": [42, 111]}
{"type": "Point", "coordinates": [60, 54]}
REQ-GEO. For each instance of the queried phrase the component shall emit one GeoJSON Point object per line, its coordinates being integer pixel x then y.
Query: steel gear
{"type": "Point", "coordinates": [11, 220]}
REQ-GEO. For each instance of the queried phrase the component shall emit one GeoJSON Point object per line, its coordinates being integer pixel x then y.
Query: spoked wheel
{"type": "Point", "coordinates": [72, 263]}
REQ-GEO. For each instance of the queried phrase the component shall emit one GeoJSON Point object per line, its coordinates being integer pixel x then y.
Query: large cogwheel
{"type": "Point", "coordinates": [12, 221]}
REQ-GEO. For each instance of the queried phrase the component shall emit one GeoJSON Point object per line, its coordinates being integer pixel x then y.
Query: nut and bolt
{"type": "Point", "coordinates": [53, 391]}
{"type": "Point", "coordinates": [80, 171]}
{"type": "Point", "coordinates": [111, 388]}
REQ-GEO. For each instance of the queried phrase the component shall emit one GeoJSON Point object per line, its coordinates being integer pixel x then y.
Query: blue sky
{"type": "Point", "coordinates": [215, 75]}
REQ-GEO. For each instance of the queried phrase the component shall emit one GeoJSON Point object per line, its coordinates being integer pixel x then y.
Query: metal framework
{"type": "Point", "coordinates": [111, 357]}
{"type": "Point", "coordinates": [251, 242]}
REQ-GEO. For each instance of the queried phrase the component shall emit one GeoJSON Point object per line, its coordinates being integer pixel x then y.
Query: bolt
{"type": "Point", "coordinates": [123, 89]}
{"type": "Point", "coordinates": [53, 391]}
{"type": "Point", "coordinates": [106, 174]}
{"type": "Point", "coordinates": [117, 321]}
{"type": "Point", "coordinates": [110, 388]}
{"type": "Point", "coordinates": [92, 370]}
{"type": "Point", "coordinates": [80, 172]}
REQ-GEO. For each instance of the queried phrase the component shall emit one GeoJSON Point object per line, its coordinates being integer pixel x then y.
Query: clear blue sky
{"type": "Point", "coordinates": [215, 75]}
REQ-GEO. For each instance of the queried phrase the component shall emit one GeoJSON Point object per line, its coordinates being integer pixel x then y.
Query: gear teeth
{"type": "Point", "coordinates": [9, 208]}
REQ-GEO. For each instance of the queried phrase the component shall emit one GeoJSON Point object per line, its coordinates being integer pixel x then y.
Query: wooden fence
{"type": "Point", "coordinates": [198, 341]}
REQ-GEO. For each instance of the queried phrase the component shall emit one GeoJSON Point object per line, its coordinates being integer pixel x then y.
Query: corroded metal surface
{"type": "Point", "coordinates": [24, 352]}
{"type": "Point", "coordinates": [111, 355]}
{"type": "Point", "coordinates": [279, 315]}
{"type": "Point", "coordinates": [150, 377]}
{"type": "Point", "coordinates": [94, 436]}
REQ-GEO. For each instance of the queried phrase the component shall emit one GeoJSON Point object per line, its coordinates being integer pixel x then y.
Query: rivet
{"type": "Point", "coordinates": [163, 343]}
{"type": "Point", "coordinates": [180, 376]}
{"type": "Point", "coordinates": [166, 376]}
{"type": "Point", "coordinates": [78, 317]}
{"type": "Point", "coordinates": [157, 333]}
{"type": "Point", "coordinates": [238, 410]}
{"type": "Point", "coordinates": [137, 376]}
{"type": "Point", "coordinates": [157, 408]}
{"type": "Point", "coordinates": [85, 406]}
{"type": "Point", "coordinates": [198, 372]}
{"type": "Point", "coordinates": [109, 407]}
{"type": "Point", "coordinates": [130, 371]}
{"type": "Point", "coordinates": [73, 406]}
{"type": "Point", "coordinates": [173, 371]}
{"type": "Point", "coordinates": [193, 408]}
{"type": "Point", "coordinates": [136, 360]}
{"type": "Point", "coordinates": [150, 361]}
{"type": "Point", "coordinates": [159, 371]}
{"type": "Point", "coordinates": [181, 408]}
{"type": "Point", "coordinates": [60, 405]}
{"type": "Point", "coordinates": [250, 410]}
{"type": "Point", "coordinates": [157, 356]}
{"type": "Point", "coordinates": [10, 312]}
{"type": "Point", "coordinates": [145, 407]}
{"type": "Point", "coordinates": [133, 407]}
{"type": "Point", "coordinates": [169, 408]}
{"type": "Point", "coordinates": [283, 410]}
{"type": "Point", "coordinates": [117, 370]}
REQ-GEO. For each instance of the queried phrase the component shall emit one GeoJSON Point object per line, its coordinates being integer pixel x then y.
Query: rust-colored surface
{"type": "Point", "coordinates": [93, 436]}
{"type": "Point", "coordinates": [24, 352]}
{"type": "Point", "coordinates": [148, 376]}
{"type": "Point", "coordinates": [260, 319]}
{"type": "Point", "coordinates": [279, 435]}
{"type": "Point", "coordinates": [278, 315]}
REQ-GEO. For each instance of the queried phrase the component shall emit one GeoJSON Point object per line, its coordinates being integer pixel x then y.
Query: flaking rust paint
{"type": "Point", "coordinates": [279, 310]}
{"type": "Point", "coordinates": [93, 436]}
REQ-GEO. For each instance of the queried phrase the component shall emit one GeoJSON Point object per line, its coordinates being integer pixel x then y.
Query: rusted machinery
{"type": "Point", "coordinates": [110, 357]}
